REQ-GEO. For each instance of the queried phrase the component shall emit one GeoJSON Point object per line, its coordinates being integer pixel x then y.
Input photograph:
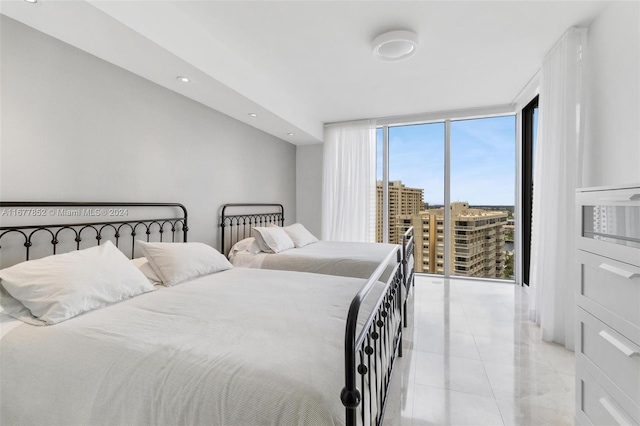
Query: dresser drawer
{"type": "Point", "coordinates": [610, 290]}
{"type": "Point", "coordinates": [609, 223]}
{"type": "Point", "coordinates": [599, 407]}
{"type": "Point", "coordinates": [617, 357]}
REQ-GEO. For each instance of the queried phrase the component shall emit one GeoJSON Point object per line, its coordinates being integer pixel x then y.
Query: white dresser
{"type": "Point", "coordinates": [608, 312]}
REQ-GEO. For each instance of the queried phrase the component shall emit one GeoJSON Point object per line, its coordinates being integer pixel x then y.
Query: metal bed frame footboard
{"type": "Point", "coordinates": [408, 268]}
{"type": "Point", "coordinates": [370, 355]}
{"type": "Point", "coordinates": [97, 230]}
{"type": "Point", "coordinates": [239, 225]}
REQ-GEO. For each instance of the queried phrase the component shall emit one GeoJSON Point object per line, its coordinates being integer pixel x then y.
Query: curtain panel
{"type": "Point", "coordinates": [349, 182]}
{"type": "Point", "coordinates": [557, 170]}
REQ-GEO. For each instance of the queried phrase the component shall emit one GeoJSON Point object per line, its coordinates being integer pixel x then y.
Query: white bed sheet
{"type": "Point", "coordinates": [346, 259]}
{"type": "Point", "coordinates": [246, 259]}
{"type": "Point", "coordinates": [7, 323]}
{"type": "Point", "coordinates": [241, 347]}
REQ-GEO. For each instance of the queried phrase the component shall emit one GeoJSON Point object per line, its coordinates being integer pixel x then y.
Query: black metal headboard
{"type": "Point", "coordinates": [237, 226]}
{"type": "Point", "coordinates": [91, 218]}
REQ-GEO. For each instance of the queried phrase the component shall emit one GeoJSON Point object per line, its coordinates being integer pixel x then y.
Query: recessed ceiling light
{"type": "Point", "coordinates": [183, 79]}
{"type": "Point", "coordinates": [253, 114]}
{"type": "Point", "coordinates": [31, 1]}
{"type": "Point", "coordinates": [395, 45]}
{"type": "Point", "coordinates": [289, 134]}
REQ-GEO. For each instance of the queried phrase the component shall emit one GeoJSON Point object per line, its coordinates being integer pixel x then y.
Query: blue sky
{"type": "Point", "coordinates": [483, 163]}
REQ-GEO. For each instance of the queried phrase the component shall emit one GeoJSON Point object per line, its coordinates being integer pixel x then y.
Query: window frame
{"type": "Point", "coordinates": [527, 186]}
{"type": "Point", "coordinates": [447, 117]}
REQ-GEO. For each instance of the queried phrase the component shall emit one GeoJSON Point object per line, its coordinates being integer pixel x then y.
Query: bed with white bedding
{"type": "Point", "coordinates": [346, 259]}
{"type": "Point", "coordinates": [185, 355]}
{"type": "Point", "coordinates": [249, 239]}
{"type": "Point", "coordinates": [232, 346]}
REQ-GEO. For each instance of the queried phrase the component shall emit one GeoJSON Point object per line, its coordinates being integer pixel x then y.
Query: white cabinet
{"type": "Point", "coordinates": [608, 313]}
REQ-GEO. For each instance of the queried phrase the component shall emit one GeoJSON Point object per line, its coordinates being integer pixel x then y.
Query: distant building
{"type": "Point", "coordinates": [477, 238]}
{"type": "Point", "coordinates": [510, 229]}
{"type": "Point", "coordinates": [477, 235]}
{"type": "Point", "coordinates": [402, 201]}
{"type": "Point", "coordinates": [604, 220]}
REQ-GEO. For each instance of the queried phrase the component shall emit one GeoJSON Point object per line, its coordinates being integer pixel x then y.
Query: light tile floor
{"type": "Point", "coordinates": [472, 357]}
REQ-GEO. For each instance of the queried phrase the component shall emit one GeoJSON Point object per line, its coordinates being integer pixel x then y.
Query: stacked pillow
{"type": "Point", "coordinates": [272, 239]}
{"type": "Point", "coordinates": [275, 239]}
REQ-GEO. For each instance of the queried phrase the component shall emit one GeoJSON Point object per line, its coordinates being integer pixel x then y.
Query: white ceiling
{"type": "Point", "coordinates": [300, 64]}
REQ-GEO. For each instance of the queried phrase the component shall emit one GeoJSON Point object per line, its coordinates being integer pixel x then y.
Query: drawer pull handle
{"type": "Point", "coordinates": [613, 412]}
{"type": "Point", "coordinates": [632, 197]}
{"type": "Point", "coordinates": [618, 344]}
{"type": "Point", "coordinates": [618, 271]}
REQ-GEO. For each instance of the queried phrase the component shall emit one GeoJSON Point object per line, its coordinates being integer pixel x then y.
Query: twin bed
{"type": "Point", "coordinates": [238, 346]}
{"type": "Point", "coordinates": [346, 259]}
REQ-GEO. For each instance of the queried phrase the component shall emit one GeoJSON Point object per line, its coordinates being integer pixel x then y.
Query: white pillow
{"type": "Point", "coordinates": [299, 235]}
{"type": "Point", "coordinates": [55, 288]}
{"type": "Point", "coordinates": [248, 244]}
{"type": "Point", "coordinates": [178, 262]}
{"type": "Point", "coordinates": [272, 239]}
{"type": "Point", "coordinates": [143, 265]}
{"type": "Point", "coordinates": [262, 245]}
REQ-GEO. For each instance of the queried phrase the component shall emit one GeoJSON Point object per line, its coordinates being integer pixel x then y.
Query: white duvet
{"type": "Point", "coordinates": [240, 347]}
{"type": "Point", "coordinates": [346, 259]}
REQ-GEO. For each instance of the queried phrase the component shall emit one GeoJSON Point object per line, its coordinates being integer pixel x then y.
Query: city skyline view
{"type": "Point", "coordinates": [478, 245]}
{"type": "Point", "coordinates": [483, 162]}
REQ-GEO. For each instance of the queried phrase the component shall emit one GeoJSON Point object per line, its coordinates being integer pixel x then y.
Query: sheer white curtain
{"type": "Point", "coordinates": [556, 176]}
{"type": "Point", "coordinates": [349, 182]}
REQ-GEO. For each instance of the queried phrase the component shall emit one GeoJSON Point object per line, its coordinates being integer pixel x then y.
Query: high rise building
{"type": "Point", "coordinates": [402, 201]}
{"type": "Point", "coordinates": [477, 235]}
{"type": "Point", "coordinates": [477, 240]}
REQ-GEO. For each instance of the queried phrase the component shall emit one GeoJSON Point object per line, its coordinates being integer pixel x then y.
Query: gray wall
{"type": "Point", "coordinates": [309, 187]}
{"type": "Point", "coordinates": [74, 127]}
{"type": "Point", "coordinates": [612, 130]}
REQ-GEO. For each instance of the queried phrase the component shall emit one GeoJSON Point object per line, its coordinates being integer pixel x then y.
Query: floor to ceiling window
{"type": "Point", "coordinates": [483, 178]}
{"type": "Point", "coordinates": [416, 185]}
{"type": "Point", "coordinates": [476, 195]}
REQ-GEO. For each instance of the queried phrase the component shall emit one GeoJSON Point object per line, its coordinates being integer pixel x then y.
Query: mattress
{"type": "Point", "coordinates": [346, 259]}
{"type": "Point", "coordinates": [241, 347]}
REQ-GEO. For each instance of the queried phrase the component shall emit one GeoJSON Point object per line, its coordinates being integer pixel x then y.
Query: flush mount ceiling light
{"type": "Point", "coordinates": [31, 1]}
{"type": "Point", "coordinates": [252, 114]}
{"type": "Point", "coordinates": [395, 45]}
{"type": "Point", "coordinates": [183, 79]}
{"type": "Point", "coordinates": [290, 134]}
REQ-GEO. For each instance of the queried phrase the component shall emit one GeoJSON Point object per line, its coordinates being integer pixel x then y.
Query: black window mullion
{"type": "Point", "coordinates": [527, 184]}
